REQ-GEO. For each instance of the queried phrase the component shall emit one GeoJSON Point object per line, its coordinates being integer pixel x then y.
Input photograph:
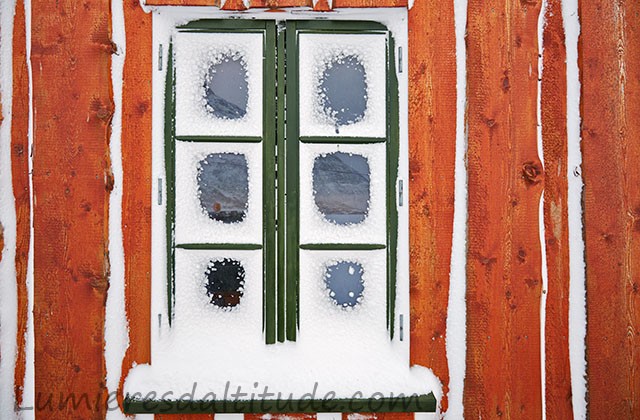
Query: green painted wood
{"type": "Point", "coordinates": [292, 182]}
{"type": "Point", "coordinates": [269, 184]}
{"type": "Point", "coordinates": [426, 403]}
{"type": "Point", "coordinates": [342, 247]}
{"type": "Point", "coordinates": [169, 160]}
{"type": "Point", "coordinates": [281, 179]}
{"type": "Point", "coordinates": [343, 140]}
{"type": "Point", "coordinates": [210, 246]}
{"type": "Point", "coordinates": [219, 139]}
{"type": "Point", "coordinates": [393, 156]}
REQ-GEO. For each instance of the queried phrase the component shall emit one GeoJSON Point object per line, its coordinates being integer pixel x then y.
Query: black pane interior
{"type": "Point", "coordinates": [225, 282]}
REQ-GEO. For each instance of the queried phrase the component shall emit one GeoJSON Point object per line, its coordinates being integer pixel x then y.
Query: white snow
{"type": "Point", "coordinates": [314, 228]}
{"type": "Point", "coordinates": [316, 53]}
{"type": "Point", "coordinates": [193, 225]}
{"type": "Point", "coordinates": [116, 328]}
{"type": "Point", "coordinates": [8, 288]}
{"type": "Point", "coordinates": [541, 227]}
{"type": "Point", "coordinates": [195, 53]}
{"type": "Point", "coordinates": [577, 287]}
{"type": "Point", "coordinates": [457, 309]}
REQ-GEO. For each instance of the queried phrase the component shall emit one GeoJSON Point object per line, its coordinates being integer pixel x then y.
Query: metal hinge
{"type": "Point", "coordinates": [160, 57]}
{"type": "Point", "coordinates": [399, 59]}
{"type": "Point", "coordinates": [159, 191]}
{"type": "Point", "coordinates": [400, 193]}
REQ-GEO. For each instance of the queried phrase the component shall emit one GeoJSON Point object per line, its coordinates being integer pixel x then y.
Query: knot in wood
{"type": "Point", "coordinates": [531, 173]}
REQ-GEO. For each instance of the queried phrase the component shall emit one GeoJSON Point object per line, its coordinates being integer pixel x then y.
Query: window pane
{"type": "Point", "coordinates": [225, 282]}
{"type": "Point", "coordinates": [223, 186]}
{"type": "Point", "coordinates": [343, 90]}
{"type": "Point", "coordinates": [226, 88]}
{"type": "Point", "coordinates": [344, 283]}
{"type": "Point", "coordinates": [341, 185]}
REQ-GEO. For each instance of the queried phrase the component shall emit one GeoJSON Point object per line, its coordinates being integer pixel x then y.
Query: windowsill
{"type": "Point", "coordinates": [425, 403]}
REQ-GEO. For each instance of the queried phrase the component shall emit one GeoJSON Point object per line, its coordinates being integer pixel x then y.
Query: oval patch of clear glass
{"type": "Point", "coordinates": [223, 186]}
{"type": "Point", "coordinates": [226, 88]}
{"type": "Point", "coordinates": [225, 282]}
{"type": "Point", "coordinates": [344, 283]}
{"type": "Point", "coordinates": [342, 187]}
{"type": "Point", "coordinates": [343, 91]}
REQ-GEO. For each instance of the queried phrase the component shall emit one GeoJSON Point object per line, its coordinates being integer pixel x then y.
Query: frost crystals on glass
{"type": "Point", "coordinates": [225, 282]}
{"type": "Point", "coordinates": [344, 283]}
{"type": "Point", "coordinates": [343, 90]}
{"type": "Point", "coordinates": [223, 186]}
{"type": "Point", "coordinates": [341, 185]}
{"type": "Point", "coordinates": [226, 89]}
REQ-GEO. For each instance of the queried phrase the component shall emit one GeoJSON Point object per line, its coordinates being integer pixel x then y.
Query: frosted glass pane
{"type": "Point", "coordinates": [223, 186]}
{"type": "Point", "coordinates": [225, 282]}
{"type": "Point", "coordinates": [341, 185]}
{"type": "Point", "coordinates": [345, 284]}
{"type": "Point", "coordinates": [343, 91]}
{"type": "Point", "coordinates": [226, 88]}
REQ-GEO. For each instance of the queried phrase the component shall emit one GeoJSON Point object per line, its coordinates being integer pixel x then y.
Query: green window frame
{"type": "Point", "coordinates": [280, 176]}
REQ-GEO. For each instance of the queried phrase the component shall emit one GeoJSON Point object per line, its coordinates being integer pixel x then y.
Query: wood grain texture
{"type": "Point", "coordinates": [322, 6]}
{"type": "Point", "coordinates": [184, 416]}
{"type": "Point", "coordinates": [136, 184]}
{"type": "Point", "coordinates": [377, 416]}
{"type": "Point", "coordinates": [554, 142]}
{"type": "Point", "coordinates": [234, 5]}
{"type": "Point", "coordinates": [432, 134]}
{"type": "Point", "coordinates": [505, 180]}
{"type": "Point", "coordinates": [274, 4]}
{"type": "Point", "coordinates": [183, 2]}
{"type": "Point", "coordinates": [609, 59]}
{"type": "Point", "coordinates": [21, 188]}
{"type": "Point", "coordinates": [73, 107]}
{"type": "Point", "coordinates": [375, 3]}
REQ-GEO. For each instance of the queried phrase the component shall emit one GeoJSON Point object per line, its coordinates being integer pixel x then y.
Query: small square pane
{"type": "Point", "coordinates": [219, 84]}
{"type": "Point", "coordinates": [343, 85]}
{"type": "Point", "coordinates": [218, 193]}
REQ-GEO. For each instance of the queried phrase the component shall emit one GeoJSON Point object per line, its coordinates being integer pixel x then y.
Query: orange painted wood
{"type": "Point", "coordinates": [322, 6]}
{"type": "Point", "coordinates": [234, 5]}
{"type": "Point", "coordinates": [136, 184]}
{"type": "Point", "coordinates": [183, 3]}
{"type": "Point", "coordinates": [374, 3]}
{"type": "Point", "coordinates": [21, 188]}
{"type": "Point", "coordinates": [554, 141]}
{"type": "Point", "coordinates": [281, 3]}
{"type": "Point", "coordinates": [609, 58]}
{"type": "Point", "coordinates": [73, 106]}
{"type": "Point", "coordinates": [432, 133]}
{"type": "Point", "coordinates": [505, 180]}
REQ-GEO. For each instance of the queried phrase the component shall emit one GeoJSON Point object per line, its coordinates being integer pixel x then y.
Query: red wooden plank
{"type": "Point", "coordinates": [432, 133]}
{"type": "Point", "coordinates": [280, 3]}
{"type": "Point", "coordinates": [554, 141]}
{"type": "Point", "coordinates": [136, 184]}
{"type": "Point", "coordinates": [73, 106]}
{"type": "Point", "coordinates": [322, 6]}
{"type": "Point", "coordinates": [21, 189]}
{"type": "Point", "coordinates": [234, 5]}
{"type": "Point", "coordinates": [183, 3]}
{"type": "Point", "coordinates": [609, 55]}
{"type": "Point", "coordinates": [505, 183]}
{"type": "Point", "coordinates": [184, 416]}
{"type": "Point", "coordinates": [374, 3]}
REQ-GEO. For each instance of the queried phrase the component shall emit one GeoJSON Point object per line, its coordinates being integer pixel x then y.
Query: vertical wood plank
{"type": "Point", "coordinates": [373, 3]}
{"type": "Point", "coordinates": [73, 106]}
{"type": "Point", "coordinates": [432, 134]}
{"type": "Point", "coordinates": [554, 140]}
{"type": "Point", "coordinates": [136, 184]}
{"type": "Point", "coordinates": [234, 5]}
{"type": "Point", "coordinates": [609, 58]}
{"type": "Point", "coordinates": [21, 188]}
{"type": "Point", "coordinates": [184, 416]}
{"type": "Point", "coordinates": [182, 2]}
{"type": "Point", "coordinates": [322, 6]}
{"type": "Point", "coordinates": [280, 3]}
{"type": "Point", "coordinates": [505, 181]}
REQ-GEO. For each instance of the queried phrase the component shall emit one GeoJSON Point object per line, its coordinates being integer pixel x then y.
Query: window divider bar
{"type": "Point", "coordinates": [342, 247]}
{"type": "Point", "coordinates": [343, 140]}
{"type": "Point", "coordinates": [226, 246]}
{"type": "Point", "coordinates": [219, 139]}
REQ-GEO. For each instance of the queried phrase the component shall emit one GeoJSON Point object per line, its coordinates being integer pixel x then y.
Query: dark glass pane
{"type": "Point", "coordinates": [223, 185]}
{"type": "Point", "coordinates": [343, 90]}
{"type": "Point", "coordinates": [345, 284]}
{"type": "Point", "coordinates": [225, 282]}
{"type": "Point", "coordinates": [341, 185]}
{"type": "Point", "coordinates": [226, 89]}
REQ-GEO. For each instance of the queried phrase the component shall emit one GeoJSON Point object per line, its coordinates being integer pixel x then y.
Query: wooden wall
{"type": "Point", "coordinates": [72, 103]}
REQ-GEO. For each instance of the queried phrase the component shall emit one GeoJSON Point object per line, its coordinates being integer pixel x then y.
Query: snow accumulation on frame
{"type": "Point", "coordinates": [318, 53]}
{"type": "Point", "coordinates": [198, 54]}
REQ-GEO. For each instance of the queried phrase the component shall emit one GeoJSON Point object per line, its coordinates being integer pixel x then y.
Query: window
{"type": "Point", "coordinates": [280, 156]}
